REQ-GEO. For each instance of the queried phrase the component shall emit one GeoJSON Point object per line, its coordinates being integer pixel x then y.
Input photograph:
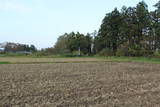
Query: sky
{"type": "Point", "coordinates": [41, 22]}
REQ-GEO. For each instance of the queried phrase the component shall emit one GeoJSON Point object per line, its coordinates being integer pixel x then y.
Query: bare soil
{"type": "Point", "coordinates": [90, 84]}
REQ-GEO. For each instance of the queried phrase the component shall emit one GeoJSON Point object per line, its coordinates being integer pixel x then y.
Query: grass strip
{"type": "Point", "coordinates": [100, 59]}
{"type": "Point", "coordinates": [4, 62]}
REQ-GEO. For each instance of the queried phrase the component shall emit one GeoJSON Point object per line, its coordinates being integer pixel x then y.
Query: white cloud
{"type": "Point", "coordinates": [10, 6]}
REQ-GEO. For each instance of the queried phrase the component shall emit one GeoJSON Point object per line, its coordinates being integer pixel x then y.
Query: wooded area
{"type": "Point", "coordinates": [133, 31]}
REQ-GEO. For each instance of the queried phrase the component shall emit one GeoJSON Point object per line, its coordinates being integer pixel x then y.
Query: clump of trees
{"type": "Point", "coordinates": [74, 43]}
{"type": "Point", "coordinates": [16, 47]}
{"type": "Point", "coordinates": [133, 31]}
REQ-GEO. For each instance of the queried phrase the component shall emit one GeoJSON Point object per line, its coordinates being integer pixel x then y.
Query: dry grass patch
{"type": "Point", "coordinates": [49, 60]}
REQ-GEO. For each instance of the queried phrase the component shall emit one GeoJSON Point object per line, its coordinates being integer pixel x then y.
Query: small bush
{"type": "Point", "coordinates": [156, 54]}
{"type": "Point", "coordinates": [121, 52]}
{"type": "Point", "coordinates": [106, 52]}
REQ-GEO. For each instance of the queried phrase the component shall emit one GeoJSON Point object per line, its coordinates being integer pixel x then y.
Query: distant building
{"type": "Point", "coordinates": [1, 50]}
{"type": "Point", "coordinates": [2, 47]}
{"type": "Point", "coordinates": [24, 52]}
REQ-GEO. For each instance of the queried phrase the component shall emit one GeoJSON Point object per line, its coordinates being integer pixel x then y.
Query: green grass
{"type": "Point", "coordinates": [104, 59]}
{"type": "Point", "coordinates": [4, 62]}
{"type": "Point", "coordinates": [133, 59]}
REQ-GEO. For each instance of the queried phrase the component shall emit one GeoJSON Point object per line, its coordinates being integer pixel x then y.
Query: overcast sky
{"type": "Point", "coordinates": [40, 22]}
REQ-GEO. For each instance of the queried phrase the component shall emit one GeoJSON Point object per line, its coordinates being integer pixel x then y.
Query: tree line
{"type": "Point", "coordinates": [16, 47]}
{"type": "Point", "coordinates": [133, 31]}
{"type": "Point", "coordinates": [72, 44]}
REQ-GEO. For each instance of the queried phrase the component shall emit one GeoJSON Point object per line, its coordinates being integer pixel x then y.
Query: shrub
{"type": "Point", "coordinates": [106, 52]}
{"type": "Point", "coordinates": [156, 54]}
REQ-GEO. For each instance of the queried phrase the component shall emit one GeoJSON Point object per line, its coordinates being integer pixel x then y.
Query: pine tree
{"type": "Point", "coordinates": [109, 32]}
{"type": "Point", "coordinates": [143, 28]}
{"type": "Point", "coordinates": [157, 26]}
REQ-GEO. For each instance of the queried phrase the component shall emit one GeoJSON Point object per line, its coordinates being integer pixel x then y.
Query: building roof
{"type": "Point", "coordinates": [1, 48]}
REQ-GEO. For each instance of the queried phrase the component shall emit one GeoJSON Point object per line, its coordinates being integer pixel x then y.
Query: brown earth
{"type": "Point", "coordinates": [90, 84]}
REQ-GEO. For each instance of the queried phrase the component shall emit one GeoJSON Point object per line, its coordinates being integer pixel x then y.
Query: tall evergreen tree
{"type": "Point", "coordinates": [157, 26]}
{"type": "Point", "coordinates": [109, 32]}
